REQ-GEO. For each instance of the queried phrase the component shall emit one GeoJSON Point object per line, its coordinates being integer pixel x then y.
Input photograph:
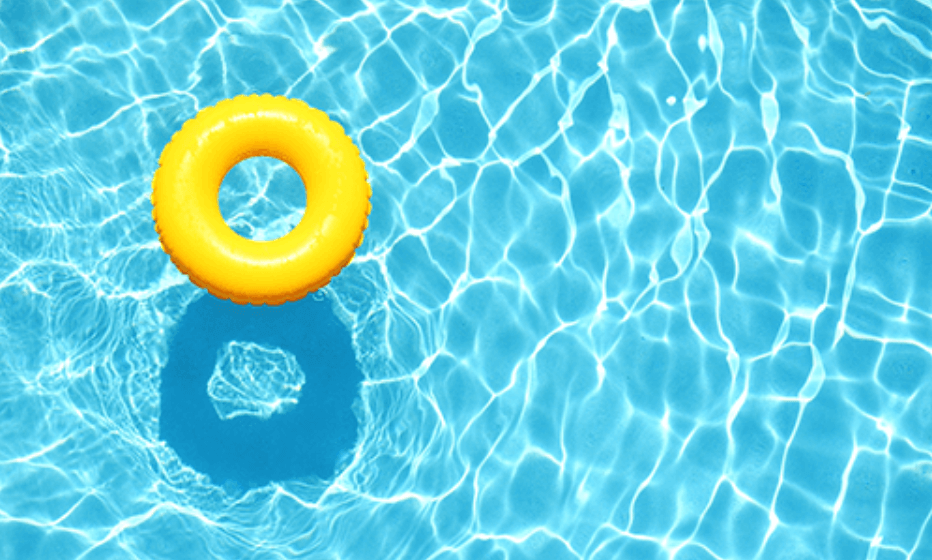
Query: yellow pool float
{"type": "Point", "coordinates": [186, 207]}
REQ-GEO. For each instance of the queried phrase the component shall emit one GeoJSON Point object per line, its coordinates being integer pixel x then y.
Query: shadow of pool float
{"type": "Point", "coordinates": [307, 440]}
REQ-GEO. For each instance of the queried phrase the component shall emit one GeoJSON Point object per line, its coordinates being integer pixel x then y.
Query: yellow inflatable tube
{"type": "Point", "coordinates": [186, 188]}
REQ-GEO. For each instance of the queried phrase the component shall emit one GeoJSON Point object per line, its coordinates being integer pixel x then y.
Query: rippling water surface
{"type": "Point", "coordinates": [643, 280]}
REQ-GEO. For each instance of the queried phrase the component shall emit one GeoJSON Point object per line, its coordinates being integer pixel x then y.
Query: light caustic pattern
{"type": "Point", "coordinates": [643, 279]}
{"type": "Point", "coordinates": [256, 381]}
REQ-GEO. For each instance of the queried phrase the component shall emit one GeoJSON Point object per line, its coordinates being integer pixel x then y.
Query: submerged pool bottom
{"type": "Point", "coordinates": [299, 440]}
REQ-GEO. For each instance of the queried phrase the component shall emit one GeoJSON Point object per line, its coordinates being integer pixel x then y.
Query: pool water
{"type": "Point", "coordinates": [642, 280]}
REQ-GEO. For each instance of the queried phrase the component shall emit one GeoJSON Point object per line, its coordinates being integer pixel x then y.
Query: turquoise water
{"type": "Point", "coordinates": [643, 280]}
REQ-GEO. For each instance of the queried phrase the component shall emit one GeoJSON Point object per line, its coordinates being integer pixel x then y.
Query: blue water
{"type": "Point", "coordinates": [643, 280]}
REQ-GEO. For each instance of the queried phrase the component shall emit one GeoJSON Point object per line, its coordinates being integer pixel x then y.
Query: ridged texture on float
{"type": "Point", "coordinates": [241, 298]}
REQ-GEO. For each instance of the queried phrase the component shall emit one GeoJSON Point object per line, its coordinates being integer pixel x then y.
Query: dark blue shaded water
{"type": "Point", "coordinates": [305, 441]}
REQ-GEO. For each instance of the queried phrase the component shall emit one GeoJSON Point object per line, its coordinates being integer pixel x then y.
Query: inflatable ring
{"type": "Point", "coordinates": [186, 207]}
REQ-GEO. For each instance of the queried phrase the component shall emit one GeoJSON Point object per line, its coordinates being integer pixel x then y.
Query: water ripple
{"type": "Point", "coordinates": [642, 279]}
